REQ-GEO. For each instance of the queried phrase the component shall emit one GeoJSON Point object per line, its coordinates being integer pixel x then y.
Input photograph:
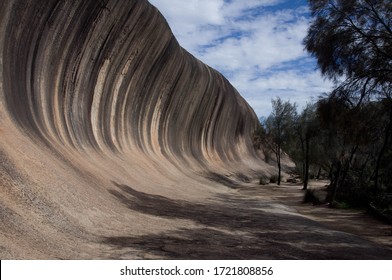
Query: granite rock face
{"type": "Point", "coordinates": [110, 75]}
{"type": "Point", "coordinates": [96, 95]}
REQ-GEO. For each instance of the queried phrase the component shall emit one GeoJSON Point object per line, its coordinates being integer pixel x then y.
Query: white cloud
{"type": "Point", "coordinates": [290, 85]}
{"type": "Point", "coordinates": [187, 19]}
{"type": "Point", "coordinates": [266, 41]}
{"type": "Point", "coordinates": [257, 46]}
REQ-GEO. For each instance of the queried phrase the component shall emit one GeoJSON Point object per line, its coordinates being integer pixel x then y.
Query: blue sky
{"type": "Point", "coordinates": [255, 44]}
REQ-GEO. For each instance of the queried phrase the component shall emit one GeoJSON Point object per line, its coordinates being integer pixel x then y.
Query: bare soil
{"type": "Point", "coordinates": [254, 222]}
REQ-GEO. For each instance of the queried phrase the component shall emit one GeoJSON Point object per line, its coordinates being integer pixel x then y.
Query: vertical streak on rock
{"type": "Point", "coordinates": [109, 75]}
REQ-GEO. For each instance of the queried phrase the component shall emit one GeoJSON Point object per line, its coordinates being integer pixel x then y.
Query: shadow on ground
{"type": "Point", "coordinates": [238, 228]}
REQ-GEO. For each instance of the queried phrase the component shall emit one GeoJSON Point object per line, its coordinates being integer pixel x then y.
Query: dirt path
{"type": "Point", "coordinates": [354, 221]}
{"type": "Point", "coordinates": [253, 222]}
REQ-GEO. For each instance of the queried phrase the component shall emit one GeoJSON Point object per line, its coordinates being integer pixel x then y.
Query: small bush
{"type": "Point", "coordinates": [316, 197]}
{"type": "Point", "coordinates": [341, 205]}
{"type": "Point", "coordinates": [292, 180]}
{"type": "Point", "coordinates": [383, 202]}
{"type": "Point", "coordinates": [264, 180]}
{"type": "Point", "coordinates": [309, 196]}
{"type": "Point", "coordinates": [273, 179]}
{"type": "Point", "coordinates": [354, 193]}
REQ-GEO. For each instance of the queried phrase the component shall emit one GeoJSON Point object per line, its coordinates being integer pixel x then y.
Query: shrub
{"type": "Point", "coordinates": [316, 197]}
{"type": "Point", "coordinates": [273, 179]}
{"type": "Point", "coordinates": [292, 180]}
{"type": "Point", "coordinates": [264, 180]}
{"type": "Point", "coordinates": [354, 193]}
{"type": "Point", "coordinates": [341, 205]}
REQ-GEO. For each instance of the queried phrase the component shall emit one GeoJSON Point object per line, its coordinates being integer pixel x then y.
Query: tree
{"type": "Point", "coordinates": [306, 130]}
{"type": "Point", "coordinates": [342, 125]}
{"type": "Point", "coordinates": [352, 40]}
{"type": "Point", "coordinates": [279, 128]}
{"type": "Point", "coordinates": [355, 137]}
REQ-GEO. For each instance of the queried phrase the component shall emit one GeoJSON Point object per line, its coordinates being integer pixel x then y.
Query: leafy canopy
{"type": "Point", "coordinates": [353, 40]}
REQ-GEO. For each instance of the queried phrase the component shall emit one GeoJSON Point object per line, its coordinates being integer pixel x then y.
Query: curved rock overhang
{"type": "Point", "coordinates": [109, 75]}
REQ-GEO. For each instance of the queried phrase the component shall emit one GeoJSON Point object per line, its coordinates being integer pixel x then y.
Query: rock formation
{"type": "Point", "coordinates": [110, 76]}
{"type": "Point", "coordinates": [96, 95]}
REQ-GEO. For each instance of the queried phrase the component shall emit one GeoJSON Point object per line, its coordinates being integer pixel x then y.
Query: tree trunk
{"type": "Point", "coordinates": [341, 174]}
{"type": "Point", "coordinates": [303, 157]}
{"type": "Point", "coordinates": [279, 171]}
{"type": "Point", "coordinates": [318, 173]}
{"type": "Point", "coordinates": [347, 165]}
{"type": "Point", "coordinates": [334, 182]}
{"type": "Point", "coordinates": [278, 156]}
{"type": "Point", "coordinates": [330, 174]}
{"type": "Point", "coordinates": [306, 177]}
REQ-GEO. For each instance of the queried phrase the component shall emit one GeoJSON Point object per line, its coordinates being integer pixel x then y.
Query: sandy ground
{"type": "Point", "coordinates": [356, 221]}
{"type": "Point", "coordinates": [256, 222]}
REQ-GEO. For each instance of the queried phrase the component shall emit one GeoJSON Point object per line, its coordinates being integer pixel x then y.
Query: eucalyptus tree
{"type": "Point", "coordinates": [307, 129]}
{"type": "Point", "coordinates": [279, 129]}
{"type": "Point", "coordinates": [352, 42]}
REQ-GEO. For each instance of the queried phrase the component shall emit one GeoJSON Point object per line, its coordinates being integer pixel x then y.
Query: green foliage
{"type": "Point", "coordinates": [279, 125]}
{"type": "Point", "coordinates": [341, 205]}
{"type": "Point", "coordinates": [279, 129]}
{"type": "Point", "coordinates": [353, 40]}
{"type": "Point", "coordinates": [347, 143]}
{"type": "Point", "coordinates": [347, 134]}
{"type": "Point", "coordinates": [307, 132]}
